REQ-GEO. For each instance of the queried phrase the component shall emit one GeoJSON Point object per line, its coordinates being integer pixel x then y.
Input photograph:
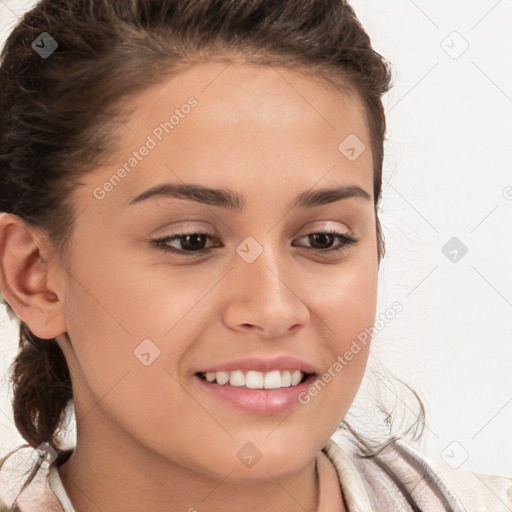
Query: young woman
{"type": "Point", "coordinates": [190, 241]}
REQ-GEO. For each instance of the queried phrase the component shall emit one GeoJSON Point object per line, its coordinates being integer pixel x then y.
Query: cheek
{"type": "Point", "coordinates": [345, 301]}
{"type": "Point", "coordinates": [345, 308]}
{"type": "Point", "coordinates": [113, 385]}
{"type": "Point", "coordinates": [113, 377]}
{"type": "Point", "coordinates": [102, 347]}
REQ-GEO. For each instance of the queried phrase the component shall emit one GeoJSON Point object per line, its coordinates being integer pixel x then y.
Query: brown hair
{"type": "Point", "coordinates": [58, 113]}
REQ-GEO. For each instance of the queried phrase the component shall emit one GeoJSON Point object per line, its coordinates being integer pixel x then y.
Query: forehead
{"type": "Point", "coordinates": [269, 97]}
{"type": "Point", "coordinates": [250, 125]}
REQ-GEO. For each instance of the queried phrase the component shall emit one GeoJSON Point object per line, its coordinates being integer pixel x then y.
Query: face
{"type": "Point", "coordinates": [265, 294]}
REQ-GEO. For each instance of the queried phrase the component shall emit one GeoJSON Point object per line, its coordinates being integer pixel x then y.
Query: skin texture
{"type": "Point", "coordinates": [149, 437]}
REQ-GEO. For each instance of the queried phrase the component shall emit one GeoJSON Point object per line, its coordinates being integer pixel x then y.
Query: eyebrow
{"type": "Point", "coordinates": [233, 201]}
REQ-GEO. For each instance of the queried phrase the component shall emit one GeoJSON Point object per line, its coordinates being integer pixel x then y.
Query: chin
{"type": "Point", "coordinates": [278, 461]}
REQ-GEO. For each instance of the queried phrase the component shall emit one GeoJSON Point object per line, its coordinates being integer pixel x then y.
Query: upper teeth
{"type": "Point", "coordinates": [257, 380]}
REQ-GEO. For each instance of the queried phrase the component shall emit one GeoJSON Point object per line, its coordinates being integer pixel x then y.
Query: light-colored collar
{"type": "Point", "coordinates": [351, 483]}
{"type": "Point", "coordinates": [56, 486]}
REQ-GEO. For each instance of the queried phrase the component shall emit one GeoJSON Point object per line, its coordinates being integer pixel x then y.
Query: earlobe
{"type": "Point", "coordinates": [24, 278]}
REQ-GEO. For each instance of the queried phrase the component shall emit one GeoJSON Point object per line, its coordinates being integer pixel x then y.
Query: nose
{"type": "Point", "coordinates": [265, 297]}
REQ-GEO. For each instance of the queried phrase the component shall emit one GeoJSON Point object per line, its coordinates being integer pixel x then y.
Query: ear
{"type": "Point", "coordinates": [24, 278]}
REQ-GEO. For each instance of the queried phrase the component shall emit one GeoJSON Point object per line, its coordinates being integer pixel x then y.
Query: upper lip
{"type": "Point", "coordinates": [262, 364]}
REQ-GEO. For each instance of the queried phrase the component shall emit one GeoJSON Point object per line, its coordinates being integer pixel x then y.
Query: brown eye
{"type": "Point", "coordinates": [191, 243]}
{"type": "Point", "coordinates": [321, 239]}
{"type": "Point", "coordinates": [194, 243]}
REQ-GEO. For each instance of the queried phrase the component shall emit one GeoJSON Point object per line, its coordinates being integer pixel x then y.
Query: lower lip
{"type": "Point", "coordinates": [265, 402]}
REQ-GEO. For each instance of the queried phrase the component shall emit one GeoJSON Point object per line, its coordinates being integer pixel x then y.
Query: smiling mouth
{"type": "Point", "coordinates": [274, 379]}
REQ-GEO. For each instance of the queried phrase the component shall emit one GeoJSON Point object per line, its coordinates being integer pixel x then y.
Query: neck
{"type": "Point", "coordinates": [110, 470]}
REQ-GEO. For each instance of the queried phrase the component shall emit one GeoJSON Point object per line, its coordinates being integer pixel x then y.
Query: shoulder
{"type": "Point", "coordinates": [401, 478]}
{"type": "Point", "coordinates": [477, 491]}
{"type": "Point", "coordinates": [36, 497]}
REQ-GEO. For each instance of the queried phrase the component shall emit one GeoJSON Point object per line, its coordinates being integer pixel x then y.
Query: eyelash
{"type": "Point", "coordinates": [162, 243]}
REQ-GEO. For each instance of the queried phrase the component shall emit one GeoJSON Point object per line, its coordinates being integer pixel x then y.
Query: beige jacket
{"type": "Point", "coordinates": [400, 479]}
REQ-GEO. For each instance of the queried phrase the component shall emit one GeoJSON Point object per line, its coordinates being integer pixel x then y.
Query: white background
{"type": "Point", "coordinates": [448, 164]}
